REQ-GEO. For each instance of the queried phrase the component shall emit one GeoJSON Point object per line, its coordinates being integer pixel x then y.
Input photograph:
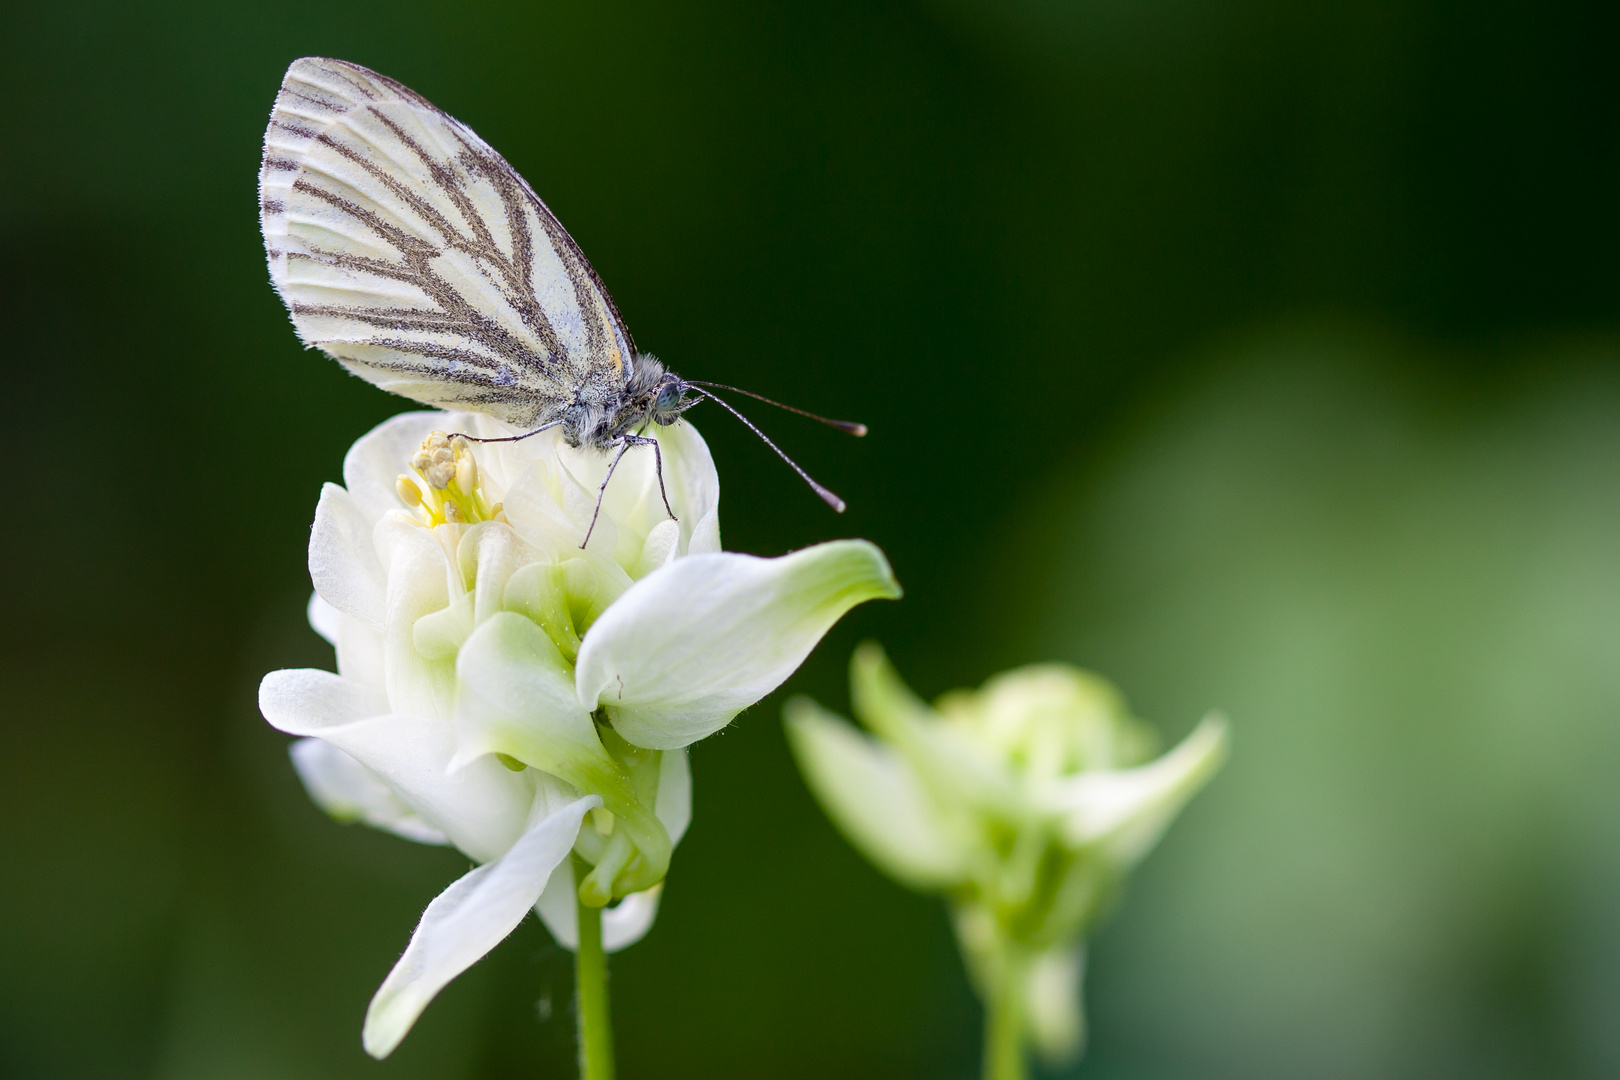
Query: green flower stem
{"type": "Point", "coordinates": [1004, 1022]}
{"type": "Point", "coordinates": [590, 985]}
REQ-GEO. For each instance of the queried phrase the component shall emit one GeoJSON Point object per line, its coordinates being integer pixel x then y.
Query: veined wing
{"type": "Point", "coordinates": [410, 251]}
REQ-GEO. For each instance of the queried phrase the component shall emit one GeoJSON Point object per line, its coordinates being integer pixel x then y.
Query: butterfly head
{"type": "Point", "coordinates": [670, 401]}
{"type": "Point", "coordinates": [653, 394]}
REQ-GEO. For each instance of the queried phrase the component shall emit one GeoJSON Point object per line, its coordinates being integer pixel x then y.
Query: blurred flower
{"type": "Point", "coordinates": [1024, 802]}
{"type": "Point", "coordinates": [502, 690]}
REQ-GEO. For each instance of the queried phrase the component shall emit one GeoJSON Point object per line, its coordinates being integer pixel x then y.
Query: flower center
{"type": "Point", "coordinates": [442, 486]}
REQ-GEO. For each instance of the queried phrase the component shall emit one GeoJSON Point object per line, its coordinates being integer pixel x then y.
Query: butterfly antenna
{"type": "Point", "coordinates": [842, 425]}
{"type": "Point", "coordinates": [828, 497]}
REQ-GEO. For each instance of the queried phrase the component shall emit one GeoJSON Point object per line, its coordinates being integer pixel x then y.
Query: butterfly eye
{"type": "Point", "coordinates": [670, 396]}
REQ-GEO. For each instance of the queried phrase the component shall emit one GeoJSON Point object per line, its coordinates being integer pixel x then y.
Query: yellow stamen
{"type": "Point", "coordinates": [409, 493]}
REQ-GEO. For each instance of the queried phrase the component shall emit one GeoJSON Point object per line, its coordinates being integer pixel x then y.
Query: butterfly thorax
{"type": "Point", "coordinates": [650, 395]}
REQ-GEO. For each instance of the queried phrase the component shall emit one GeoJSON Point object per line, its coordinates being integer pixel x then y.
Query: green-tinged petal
{"type": "Point", "coordinates": [488, 555]}
{"type": "Point", "coordinates": [482, 808]}
{"type": "Point", "coordinates": [874, 799]}
{"type": "Point", "coordinates": [342, 561]}
{"type": "Point", "coordinates": [466, 921]}
{"type": "Point", "coordinates": [539, 592]}
{"type": "Point", "coordinates": [954, 770]}
{"type": "Point", "coordinates": [1052, 1007]}
{"type": "Point", "coordinates": [623, 924]}
{"type": "Point", "coordinates": [1124, 812]}
{"type": "Point", "coordinates": [691, 645]}
{"type": "Point", "coordinates": [349, 791]}
{"type": "Point", "coordinates": [517, 698]}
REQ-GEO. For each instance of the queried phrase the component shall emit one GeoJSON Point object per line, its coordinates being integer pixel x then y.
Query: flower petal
{"type": "Point", "coordinates": [466, 921]}
{"type": "Point", "coordinates": [1053, 1011]}
{"type": "Point", "coordinates": [323, 618]}
{"type": "Point", "coordinates": [952, 769]}
{"type": "Point", "coordinates": [874, 799]}
{"type": "Point", "coordinates": [488, 555]}
{"type": "Point", "coordinates": [349, 791]}
{"type": "Point", "coordinates": [691, 645]}
{"type": "Point", "coordinates": [694, 487]}
{"type": "Point", "coordinates": [623, 924]}
{"type": "Point", "coordinates": [358, 644]}
{"type": "Point", "coordinates": [516, 698]}
{"type": "Point", "coordinates": [342, 562]}
{"type": "Point", "coordinates": [1125, 811]}
{"type": "Point", "coordinates": [674, 802]}
{"type": "Point", "coordinates": [420, 580]}
{"type": "Point", "coordinates": [481, 808]}
{"type": "Point", "coordinates": [376, 460]}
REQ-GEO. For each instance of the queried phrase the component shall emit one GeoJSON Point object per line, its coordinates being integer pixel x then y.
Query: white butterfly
{"type": "Point", "coordinates": [408, 250]}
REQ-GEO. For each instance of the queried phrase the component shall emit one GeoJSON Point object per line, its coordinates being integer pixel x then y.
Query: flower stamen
{"type": "Point", "coordinates": [444, 489]}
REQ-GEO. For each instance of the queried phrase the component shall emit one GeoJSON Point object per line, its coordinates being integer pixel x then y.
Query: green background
{"type": "Point", "coordinates": [1256, 354]}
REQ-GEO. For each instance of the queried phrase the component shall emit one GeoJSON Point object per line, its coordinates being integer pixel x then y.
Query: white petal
{"type": "Point", "coordinates": [1053, 1010]}
{"type": "Point", "coordinates": [534, 503]}
{"type": "Point", "coordinates": [482, 808]}
{"type": "Point", "coordinates": [874, 799]}
{"type": "Point", "coordinates": [360, 654]}
{"type": "Point", "coordinates": [323, 618]}
{"type": "Point", "coordinates": [376, 460]}
{"type": "Point", "coordinates": [419, 584]}
{"type": "Point", "coordinates": [1126, 810]}
{"type": "Point", "coordinates": [694, 487]}
{"type": "Point", "coordinates": [628, 921]}
{"type": "Point", "coordinates": [466, 921]}
{"type": "Point", "coordinates": [705, 535]}
{"type": "Point", "coordinates": [622, 925]}
{"type": "Point", "coordinates": [342, 562]}
{"type": "Point", "coordinates": [659, 548]}
{"type": "Point", "coordinates": [306, 701]}
{"type": "Point", "coordinates": [691, 645]}
{"type": "Point", "coordinates": [674, 803]}
{"type": "Point", "coordinates": [349, 791]}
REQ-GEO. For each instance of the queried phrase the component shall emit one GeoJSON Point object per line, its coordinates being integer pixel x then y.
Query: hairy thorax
{"type": "Point", "coordinates": [603, 413]}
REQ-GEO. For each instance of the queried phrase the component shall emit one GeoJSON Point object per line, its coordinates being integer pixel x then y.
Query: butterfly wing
{"type": "Point", "coordinates": [410, 251]}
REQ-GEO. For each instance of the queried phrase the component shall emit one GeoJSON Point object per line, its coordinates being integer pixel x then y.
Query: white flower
{"type": "Point", "coordinates": [502, 690]}
{"type": "Point", "coordinates": [1025, 802]}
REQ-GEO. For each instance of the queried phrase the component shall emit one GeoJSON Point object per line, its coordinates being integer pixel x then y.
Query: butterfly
{"type": "Point", "coordinates": [409, 251]}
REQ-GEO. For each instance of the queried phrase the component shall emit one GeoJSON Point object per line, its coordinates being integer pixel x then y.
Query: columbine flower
{"type": "Point", "coordinates": [1024, 802]}
{"type": "Point", "coordinates": [502, 690]}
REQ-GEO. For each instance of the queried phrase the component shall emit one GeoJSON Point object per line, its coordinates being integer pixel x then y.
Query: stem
{"type": "Point", "coordinates": [590, 986]}
{"type": "Point", "coordinates": [1004, 1022]}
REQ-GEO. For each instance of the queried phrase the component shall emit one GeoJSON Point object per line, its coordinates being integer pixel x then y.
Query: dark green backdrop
{"type": "Point", "coordinates": [1258, 354]}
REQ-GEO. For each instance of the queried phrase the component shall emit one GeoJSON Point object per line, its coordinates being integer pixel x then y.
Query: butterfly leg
{"type": "Point", "coordinates": [624, 444]}
{"type": "Point", "coordinates": [510, 438]}
{"type": "Point", "coordinates": [658, 457]}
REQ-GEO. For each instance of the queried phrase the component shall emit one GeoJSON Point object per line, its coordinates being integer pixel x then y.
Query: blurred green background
{"type": "Point", "coordinates": [1259, 355]}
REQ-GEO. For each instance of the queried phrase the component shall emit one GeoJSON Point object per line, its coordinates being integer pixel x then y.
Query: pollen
{"type": "Point", "coordinates": [442, 487]}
